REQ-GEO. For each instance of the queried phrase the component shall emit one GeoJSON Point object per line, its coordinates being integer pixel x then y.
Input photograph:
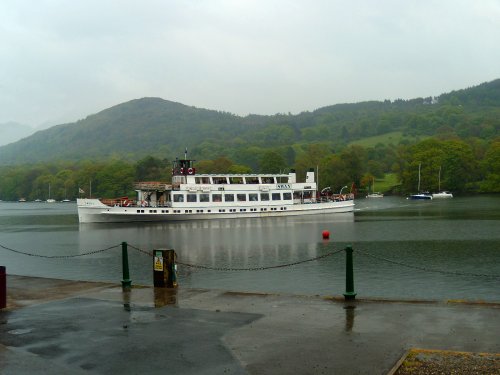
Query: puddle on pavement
{"type": "Point", "coordinates": [349, 317]}
{"type": "Point", "coordinates": [165, 296]}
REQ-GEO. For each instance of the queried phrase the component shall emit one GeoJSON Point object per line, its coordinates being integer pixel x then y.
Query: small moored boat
{"type": "Point", "coordinates": [374, 194]}
{"type": "Point", "coordinates": [422, 195]}
{"type": "Point", "coordinates": [441, 194]}
{"type": "Point", "coordinates": [50, 200]}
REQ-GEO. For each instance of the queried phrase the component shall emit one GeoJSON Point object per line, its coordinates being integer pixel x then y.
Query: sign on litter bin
{"type": "Point", "coordinates": [159, 262]}
{"type": "Point", "coordinates": [165, 269]}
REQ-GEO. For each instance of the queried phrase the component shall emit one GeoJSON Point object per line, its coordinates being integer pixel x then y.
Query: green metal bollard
{"type": "Point", "coordinates": [349, 275]}
{"type": "Point", "coordinates": [126, 282]}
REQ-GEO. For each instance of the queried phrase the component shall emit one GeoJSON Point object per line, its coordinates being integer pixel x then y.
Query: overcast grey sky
{"type": "Point", "coordinates": [63, 60]}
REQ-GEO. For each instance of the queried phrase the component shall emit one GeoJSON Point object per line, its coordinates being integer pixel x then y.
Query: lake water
{"type": "Point", "coordinates": [459, 238]}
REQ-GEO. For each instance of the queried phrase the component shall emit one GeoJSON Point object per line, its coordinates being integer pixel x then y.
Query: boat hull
{"type": "Point", "coordinates": [421, 197]}
{"type": "Point", "coordinates": [94, 211]}
{"type": "Point", "coordinates": [442, 195]}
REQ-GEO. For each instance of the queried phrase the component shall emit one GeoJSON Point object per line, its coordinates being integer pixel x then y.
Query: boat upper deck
{"type": "Point", "coordinates": [237, 181]}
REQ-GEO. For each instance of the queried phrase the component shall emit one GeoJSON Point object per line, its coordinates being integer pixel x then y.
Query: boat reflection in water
{"type": "Point", "coordinates": [236, 243]}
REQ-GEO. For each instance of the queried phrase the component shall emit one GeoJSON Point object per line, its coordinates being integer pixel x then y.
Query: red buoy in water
{"type": "Point", "coordinates": [326, 234]}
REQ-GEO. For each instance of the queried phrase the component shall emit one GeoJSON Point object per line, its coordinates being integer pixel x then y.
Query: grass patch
{"type": "Point", "coordinates": [423, 362]}
{"type": "Point", "coordinates": [386, 139]}
{"type": "Point", "coordinates": [387, 183]}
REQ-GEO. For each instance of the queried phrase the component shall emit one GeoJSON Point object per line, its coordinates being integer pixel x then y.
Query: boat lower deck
{"type": "Point", "coordinates": [105, 214]}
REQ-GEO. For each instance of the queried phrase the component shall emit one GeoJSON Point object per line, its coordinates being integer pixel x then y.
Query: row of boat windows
{"type": "Point", "coordinates": [251, 197]}
{"type": "Point", "coordinates": [262, 209]}
{"type": "Point", "coordinates": [222, 180]}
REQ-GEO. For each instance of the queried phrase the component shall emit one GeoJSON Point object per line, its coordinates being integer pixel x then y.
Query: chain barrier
{"type": "Point", "coordinates": [140, 250]}
{"type": "Point", "coordinates": [190, 265]}
{"type": "Point", "coordinates": [178, 262]}
{"type": "Point", "coordinates": [426, 269]}
{"type": "Point", "coordinates": [259, 268]}
{"type": "Point", "coordinates": [58, 256]}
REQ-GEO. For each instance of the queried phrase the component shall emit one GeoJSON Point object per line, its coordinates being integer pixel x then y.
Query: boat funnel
{"type": "Point", "coordinates": [310, 176]}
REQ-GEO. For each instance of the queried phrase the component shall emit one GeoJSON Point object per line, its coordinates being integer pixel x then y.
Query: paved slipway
{"type": "Point", "coordinates": [67, 327]}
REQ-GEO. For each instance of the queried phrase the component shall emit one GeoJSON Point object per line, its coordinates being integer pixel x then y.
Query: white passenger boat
{"type": "Point", "coordinates": [193, 196]}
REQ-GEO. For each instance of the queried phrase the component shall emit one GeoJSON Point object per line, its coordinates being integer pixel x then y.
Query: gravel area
{"type": "Point", "coordinates": [437, 362]}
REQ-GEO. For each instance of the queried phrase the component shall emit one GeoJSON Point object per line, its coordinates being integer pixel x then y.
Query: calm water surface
{"type": "Point", "coordinates": [460, 236]}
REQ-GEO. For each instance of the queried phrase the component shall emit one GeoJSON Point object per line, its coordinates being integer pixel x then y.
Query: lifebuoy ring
{"type": "Point", "coordinates": [190, 170]}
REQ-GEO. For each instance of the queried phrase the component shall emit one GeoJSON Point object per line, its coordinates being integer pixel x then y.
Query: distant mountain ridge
{"type": "Point", "coordinates": [136, 127]}
{"type": "Point", "coordinates": [162, 128]}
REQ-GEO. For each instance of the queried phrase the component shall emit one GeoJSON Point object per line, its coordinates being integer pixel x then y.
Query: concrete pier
{"type": "Point", "coordinates": [67, 327]}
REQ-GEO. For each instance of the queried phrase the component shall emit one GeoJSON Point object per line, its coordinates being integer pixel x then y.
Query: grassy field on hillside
{"type": "Point", "coordinates": [386, 139]}
{"type": "Point", "coordinates": [390, 180]}
{"type": "Point", "coordinates": [386, 184]}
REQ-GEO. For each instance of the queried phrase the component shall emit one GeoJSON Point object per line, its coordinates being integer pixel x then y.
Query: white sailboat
{"type": "Point", "coordinates": [50, 200]}
{"type": "Point", "coordinates": [374, 194]}
{"type": "Point", "coordinates": [441, 194]}
{"type": "Point", "coordinates": [420, 195]}
{"type": "Point", "coordinates": [65, 200]}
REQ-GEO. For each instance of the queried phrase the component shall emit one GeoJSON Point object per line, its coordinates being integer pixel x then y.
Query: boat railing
{"type": "Point", "coordinates": [325, 199]}
{"type": "Point", "coordinates": [126, 202]}
{"type": "Point", "coordinates": [119, 202]}
{"type": "Point", "coordinates": [337, 197]}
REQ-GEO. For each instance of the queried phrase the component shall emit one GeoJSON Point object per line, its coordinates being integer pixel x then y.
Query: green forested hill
{"type": "Point", "coordinates": [157, 127]}
{"type": "Point", "coordinates": [129, 130]}
{"type": "Point", "coordinates": [456, 135]}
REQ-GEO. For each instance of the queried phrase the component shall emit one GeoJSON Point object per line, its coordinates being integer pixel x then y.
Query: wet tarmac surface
{"type": "Point", "coordinates": [103, 337]}
{"type": "Point", "coordinates": [97, 329]}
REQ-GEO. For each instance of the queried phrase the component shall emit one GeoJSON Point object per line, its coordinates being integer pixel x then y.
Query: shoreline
{"type": "Point", "coordinates": [72, 287]}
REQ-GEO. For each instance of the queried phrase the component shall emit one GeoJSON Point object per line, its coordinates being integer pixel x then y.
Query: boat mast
{"type": "Point", "coordinates": [419, 165]}
{"type": "Point", "coordinates": [439, 179]}
{"type": "Point", "coordinates": [317, 179]}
